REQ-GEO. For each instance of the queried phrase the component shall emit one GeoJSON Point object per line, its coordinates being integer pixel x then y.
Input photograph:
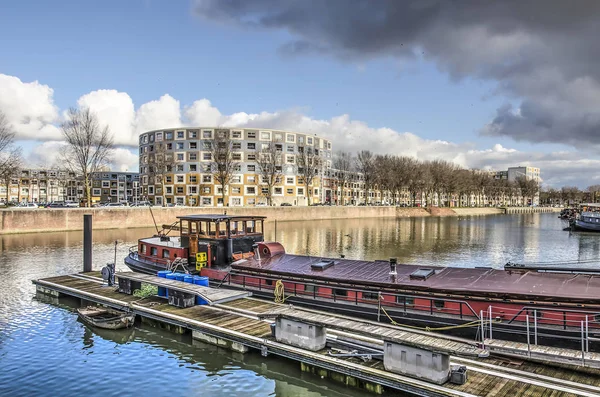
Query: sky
{"type": "Point", "coordinates": [486, 85]}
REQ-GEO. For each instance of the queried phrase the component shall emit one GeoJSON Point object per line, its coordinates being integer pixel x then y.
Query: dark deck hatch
{"type": "Point", "coordinates": [322, 265]}
{"type": "Point", "coordinates": [422, 274]}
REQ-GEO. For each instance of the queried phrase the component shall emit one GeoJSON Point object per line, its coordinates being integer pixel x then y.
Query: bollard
{"type": "Point", "coordinates": [87, 242]}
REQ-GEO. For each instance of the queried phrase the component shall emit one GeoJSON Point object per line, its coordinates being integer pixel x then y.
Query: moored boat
{"type": "Point", "coordinates": [105, 318]}
{"type": "Point", "coordinates": [230, 250]}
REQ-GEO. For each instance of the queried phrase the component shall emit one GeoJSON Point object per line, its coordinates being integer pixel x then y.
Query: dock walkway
{"type": "Point", "coordinates": [235, 324]}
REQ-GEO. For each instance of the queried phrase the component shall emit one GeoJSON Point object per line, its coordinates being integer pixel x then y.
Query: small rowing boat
{"type": "Point", "coordinates": [102, 317]}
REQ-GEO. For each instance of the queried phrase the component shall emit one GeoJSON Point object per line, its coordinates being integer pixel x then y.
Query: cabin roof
{"type": "Point", "coordinates": [219, 217]}
{"type": "Point", "coordinates": [487, 281]}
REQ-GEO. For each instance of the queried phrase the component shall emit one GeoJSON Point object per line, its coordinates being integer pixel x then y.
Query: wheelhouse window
{"type": "Point", "coordinates": [166, 254]}
{"type": "Point", "coordinates": [153, 251]}
{"type": "Point", "coordinates": [340, 292]}
{"type": "Point", "coordinates": [143, 248]}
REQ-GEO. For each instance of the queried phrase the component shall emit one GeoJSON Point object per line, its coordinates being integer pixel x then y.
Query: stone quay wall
{"type": "Point", "coordinates": [64, 219]}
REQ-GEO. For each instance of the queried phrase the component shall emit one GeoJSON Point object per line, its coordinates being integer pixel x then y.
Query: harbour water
{"type": "Point", "coordinates": [44, 350]}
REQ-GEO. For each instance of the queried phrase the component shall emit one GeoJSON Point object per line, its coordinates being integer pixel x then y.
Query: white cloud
{"type": "Point", "coordinates": [114, 109]}
{"type": "Point", "coordinates": [29, 108]}
{"type": "Point", "coordinates": [163, 113]}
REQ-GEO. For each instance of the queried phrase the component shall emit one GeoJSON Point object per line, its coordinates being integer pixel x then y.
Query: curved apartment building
{"type": "Point", "coordinates": [186, 155]}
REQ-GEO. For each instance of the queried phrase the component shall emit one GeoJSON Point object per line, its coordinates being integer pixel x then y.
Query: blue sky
{"type": "Point", "coordinates": [150, 48]}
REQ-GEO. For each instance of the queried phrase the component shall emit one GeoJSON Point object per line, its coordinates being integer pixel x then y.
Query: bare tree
{"type": "Point", "coordinates": [270, 167]}
{"type": "Point", "coordinates": [161, 164]}
{"type": "Point", "coordinates": [343, 166]}
{"type": "Point", "coordinates": [10, 155]}
{"type": "Point", "coordinates": [88, 146]}
{"type": "Point", "coordinates": [365, 163]}
{"type": "Point", "coordinates": [223, 164]}
{"type": "Point", "coordinates": [309, 164]}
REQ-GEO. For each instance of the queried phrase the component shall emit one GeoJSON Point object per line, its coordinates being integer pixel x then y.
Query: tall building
{"type": "Point", "coordinates": [37, 185]}
{"type": "Point", "coordinates": [115, 187]}
{"type": "Point", "coordinates": [531, 173]}
{"type": "Point", "coordinates": [41, 185]}
{"type": "Point", "coordinates": [184, 158]}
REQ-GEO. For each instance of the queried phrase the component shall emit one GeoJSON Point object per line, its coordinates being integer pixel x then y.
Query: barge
{"type": "Point", "coordinates": [554, 308]}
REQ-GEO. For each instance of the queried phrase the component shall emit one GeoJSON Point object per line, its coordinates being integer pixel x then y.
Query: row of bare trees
{"type": "Point", "coordinates": [570, 195]}
{"type": "Point", "coordinates": [427, 181]}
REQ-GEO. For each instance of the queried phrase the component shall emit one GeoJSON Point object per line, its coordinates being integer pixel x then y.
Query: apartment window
{"type": "Point", "coordinates": [251, 179]}
{"type": "Point", "coordinates": [192, 156]}
{"type": "Point", "coordinates": [251, 201]}
{"type": "Point", "coordinates": [150, 189]}
{"type": "Point", "coordinates": [169, 136]}
{"type": "Point", "coordinates": [207, 156]}
{"type": "Point", "coordinates": [277, 136]}
{"type": "Point", "coordinates": [289, 180]}
{"type": "Point", "coordinates": [251, 168]}
{"type": "Point", "coordinates": [236, 145]}
{"type": "Point", "coordinates": [290, 191]}
{"type": "Point", "coordinates": [251, 157]}
{"type": "Point", "coordinates": [290, 160]}
{"type": "Point", "coordinates": [169, 146]}
{"type": "Point", "coordinates": [179, 168]}
{"type": "Point", "coordinates": [236, 134]}
{"type": "Point", "coordinates": [251, 134]}
{"type": "Point", "coordinates": [159, 137]}
{"type": "Point", "coordinates": [206, 190]}
{"type": "Point", "coordinates": [193, 167]}
{"type": "Point", "coordinates": [206, 178]}
{"type": "Point", "coordinates": [250, 190]}
{"type": "Point", "coordinates": [193, 179]}
{"type": "Point", "coordinates": [236, 156]}
{"type": "Point", "coordinates": [192, 189]}
{"type": "Point", "coordinates": [179, 189]}
{"type": "Point", "coordinates": [169, 189]}
{"type": "Point", "coordinates": [180, 157]}
{"type": "Point", "coordinates": [179, 178]}
{"type": "Point", "coordinates": [193, 134]}
{"type": "Point", "coordinates": [264, 190]}
{"type": "Point", "coordinates": [251, 146]}
{"type": "Point", "coordinates": [300, 191]}
{"type": "Point", "coordinates": [236, 190]}
{"type": "Point", "coordinates": [265, 136]}
{"type": "Point", "coordinates": [329, 145]}
{"type": "Point", "coordinates": [207, 134]}
{"type": "Point", "coordinates": [180, 134]}
{"type": "Point", "coordinates": [96, 192]}
{"type": "Point", "coordinates": [207, 145]}
{"type": "Point", "coordinates": [290, 149]}
{"type": "Point", "coordinates": [290, 138]}
{"type": "Point", "coordinates": [300, 139]}
{"type": "Point", "coordinates": [193, 145]}
{"type": "Point", "coordinates": [309, 140]}
{"type": "Point", "coordinates": [206, 200]}
{"type": "Point", "coordinates": [236, 179]}
{"type": "Point", "coordinates": [236, 201]}
{"type": "Point", "coordinates": [278, 190]}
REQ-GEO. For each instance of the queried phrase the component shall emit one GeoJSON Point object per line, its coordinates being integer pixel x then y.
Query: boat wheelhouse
{"type": "Point", "coordinates": [212, 241]}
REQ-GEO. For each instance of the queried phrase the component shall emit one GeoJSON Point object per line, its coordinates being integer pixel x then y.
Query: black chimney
{"type": "Point", "coordinates": [393, 263]}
